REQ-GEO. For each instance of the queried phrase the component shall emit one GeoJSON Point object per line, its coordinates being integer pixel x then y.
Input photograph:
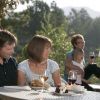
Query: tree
{"type": "Point", "coordinates": [57, 15]}
{"type": "Point", "coordinates": [36, 13]}
{"type": "Point", "coordinates": [79, 21]}
{"type": "Point", "coordinates": [6, 5]}
{"type": "Point", "coordinates": [93, 36]}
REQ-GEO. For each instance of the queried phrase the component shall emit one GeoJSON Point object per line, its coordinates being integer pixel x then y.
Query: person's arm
{"type": "Point", "coordinates": [91, 60]}
{"type": "Point", "coordinates": [21, 78]}
{"type": "Point", "coordinates": [68, 64]}
{"type": "Point", "coordinates": [86, 81]}
{"type": "Point", "coordinates": [56, 78]}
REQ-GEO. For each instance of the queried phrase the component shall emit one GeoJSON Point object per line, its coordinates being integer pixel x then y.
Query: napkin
{"type": "Point", "coordinates": [27, 88]}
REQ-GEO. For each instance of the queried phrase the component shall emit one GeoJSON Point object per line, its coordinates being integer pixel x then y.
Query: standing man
{"type": "Point", "coordinates": [78, 41]}
{"type": "Point", "coordinates": [8, 65]}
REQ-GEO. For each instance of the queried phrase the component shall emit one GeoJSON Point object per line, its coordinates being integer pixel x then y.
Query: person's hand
{"type": "Point", "coordinates": [86, 81]}
{"type": "Point", "coordinates": [91, 58]}
{"type": "Point", "coordinates": [91, 61]}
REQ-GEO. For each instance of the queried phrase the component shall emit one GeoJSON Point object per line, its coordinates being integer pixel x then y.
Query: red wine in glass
{"type": "Point", "coordinates": [92, 55]}
{"type": "Point", "coordinates": [71, 81]}
{"type": "Point", "coordinates": [72, 77]}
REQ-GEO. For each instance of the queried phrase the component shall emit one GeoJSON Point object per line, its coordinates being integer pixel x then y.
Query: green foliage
{"type": "Point", "coordinates": [98, 61]}
{"type": "Point", "coordinates": [57, 16]}
{"type": "Point", "coordinates": [23, 54]}
{"type": "Point", "coordinates": [94, 80]}
{"type": "Point", "coordinates": [93, 36]}
{"type": "Point", "coordinates": [24, 1]}
{"type": "Point", "coordinates": [36, 13]}
{"type": "Point", "coordinates": [98, 57]}
{"type": "Point", "coordinates": [79, 21]}
{"type": "Point", "coordinates": [6, 5]}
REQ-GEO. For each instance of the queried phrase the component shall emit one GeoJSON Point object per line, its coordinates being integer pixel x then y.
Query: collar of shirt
{"type": "Point", "coordinates": [5, 60]}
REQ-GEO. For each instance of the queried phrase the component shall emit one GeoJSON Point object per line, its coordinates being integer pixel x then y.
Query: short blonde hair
{"type": "Point", "coordinates": [75, 38]}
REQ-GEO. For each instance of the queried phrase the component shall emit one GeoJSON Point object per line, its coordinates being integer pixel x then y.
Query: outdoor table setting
{"type": "Point", "coordinates": [25, 93]}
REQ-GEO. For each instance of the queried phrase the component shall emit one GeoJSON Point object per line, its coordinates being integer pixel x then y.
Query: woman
{"type": "Point", "coordinates": [38, 50]}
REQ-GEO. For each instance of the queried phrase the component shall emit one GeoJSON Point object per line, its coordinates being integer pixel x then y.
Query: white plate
{"type": "Point", "coordinates": [78, 91]}
{"type": "Point", "coordinates": [27, 88]}
{"type": "Point", "coordinates": [37, 88]}
{"type": "Point", "coordinates": [67, 94]}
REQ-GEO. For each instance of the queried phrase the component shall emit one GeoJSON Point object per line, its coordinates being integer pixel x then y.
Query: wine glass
{"type": "Point", "coordinates": [92, 55]}
{"type": "Point", "coordinates": [43, 78]}
{"type": "Point", "coordinates": [72, 77]}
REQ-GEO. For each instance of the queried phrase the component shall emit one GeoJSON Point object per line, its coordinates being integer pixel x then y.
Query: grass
{"type": "Point", "coordinates": [94, 80]}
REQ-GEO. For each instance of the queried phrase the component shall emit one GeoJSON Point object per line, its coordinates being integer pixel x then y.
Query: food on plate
{"type": "Point", "coordinates": [69, 88]}
{"type": "Point", "coordinates": [78, 88]}
{"type": "Point", "coordinates": [61, 89]}
{"type": "Point", "coordinates": [57, 89]}
{"type": "Point", "coordinates": [36, 83]}
{"type": "Point", "coordinates": [39, 83]}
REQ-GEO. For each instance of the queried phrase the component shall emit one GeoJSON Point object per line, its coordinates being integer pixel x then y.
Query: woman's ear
{"type": "Point", "coordinates": [75, 45]}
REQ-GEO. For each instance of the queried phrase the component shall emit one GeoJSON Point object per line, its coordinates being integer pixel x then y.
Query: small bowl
{"type": "Point", "coordinates": [78, 88]}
